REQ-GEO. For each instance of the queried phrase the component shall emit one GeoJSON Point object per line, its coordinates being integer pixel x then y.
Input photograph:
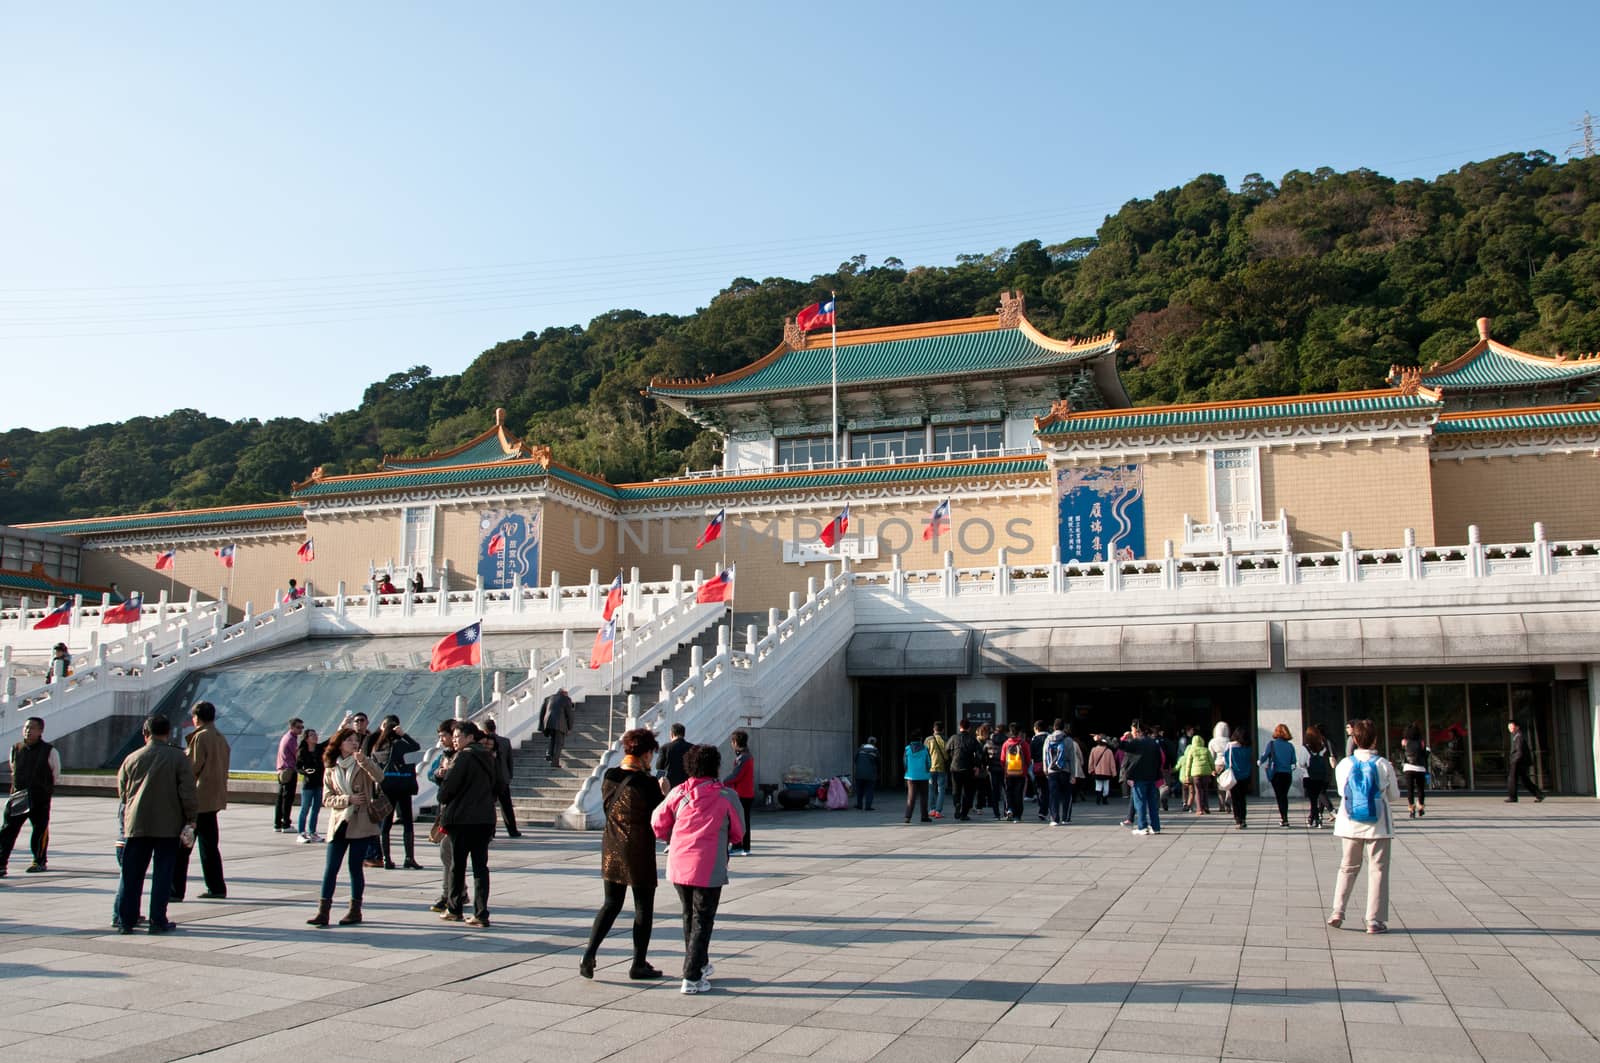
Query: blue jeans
{"type": "Point", "coordinates": [340, 847]}
{"type": "Point", "coordinates": [137, 857]}
{"type": "Point", "coordinates": [310, 804]}
{"type": "Point", "coordinates": [1146, 806]}
{"type": "Point", "coordinates": [938, 782]}
{"type": "Point", "coordinates": [1060, 796]}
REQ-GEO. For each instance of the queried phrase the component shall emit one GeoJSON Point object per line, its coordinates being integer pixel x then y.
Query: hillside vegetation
{"type": "Point", "coordinates": [1317, 282]}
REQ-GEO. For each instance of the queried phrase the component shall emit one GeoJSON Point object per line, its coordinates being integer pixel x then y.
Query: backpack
{"type": "Point", "coordinates": [1055, 755]}
{"type": "Point", "coordinates": [1317, 767]}
{"type": "Point", "coordinates": [1363, 797]}
{"type": "Point", "coordinates": [1013, 755]}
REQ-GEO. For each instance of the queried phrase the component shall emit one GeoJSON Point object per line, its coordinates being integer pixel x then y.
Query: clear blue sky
{"type": "Point", "coordinates": [257, 210]}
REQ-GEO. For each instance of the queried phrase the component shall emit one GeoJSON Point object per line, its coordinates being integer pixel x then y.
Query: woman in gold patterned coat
{"type": "Point", "coordinates": [629, 793]}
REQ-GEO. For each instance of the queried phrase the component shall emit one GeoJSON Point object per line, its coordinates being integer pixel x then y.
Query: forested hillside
{"type": "Point", "coordinates": [1318, 282]}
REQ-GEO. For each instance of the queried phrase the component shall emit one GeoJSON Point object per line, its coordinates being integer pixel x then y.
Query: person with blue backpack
{"type": "Point", "coordinates": [1364, 826]}
{"type": "Point", "coordinates": [917, 774]}
{"type": "Point", "coordinates": [1278, 760]}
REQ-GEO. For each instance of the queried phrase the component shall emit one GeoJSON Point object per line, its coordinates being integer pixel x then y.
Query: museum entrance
{"type": "Point", "coordinates": [891, 710]}
{"type": "Point", "coordinates": [1106, 703]}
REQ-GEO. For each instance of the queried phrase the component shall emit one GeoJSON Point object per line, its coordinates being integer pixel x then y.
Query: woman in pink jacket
{"type": "Point", "coordinates": [701, 819]}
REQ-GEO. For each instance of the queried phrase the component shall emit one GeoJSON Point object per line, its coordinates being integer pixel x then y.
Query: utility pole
{"type": "Point", "coordinates": [1583, 149]}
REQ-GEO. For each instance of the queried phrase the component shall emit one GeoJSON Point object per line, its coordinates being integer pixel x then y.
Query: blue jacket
{"type": "Point", "coordinates": [1237, 760]}
{"type": "Point", "coordinates": [1280, 754]}
{"type": "Point", "coordinates": [916, 762]}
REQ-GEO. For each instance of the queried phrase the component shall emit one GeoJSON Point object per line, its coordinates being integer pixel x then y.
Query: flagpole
{"type": "Point", "coordinates": [833, 324]}
{"type": "Point", "coordinates": [172, 576]}
{"type": "Point", "coordinates": [483, 701]}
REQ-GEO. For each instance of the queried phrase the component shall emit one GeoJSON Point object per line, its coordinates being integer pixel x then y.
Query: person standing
{"type": "Point", "coordinates": [866, 774]}
{"type": "Point", "coordinates": [1318, 765]}
{"type": "Point", "coordinates": [555, 720]}
{"type": "Point", "coordinates": [504, 756]}
{"type": "Point", "coordinates": [1017, 764]}
{"type": "Point", "coordinates": [966, 766]}
{"type": "Point", "coordinates": [916, 776]}
{"type": "Point", "coordinates": [1365, 826]}
{"type": "Point", "coordinates": [348, 783]}
{"type": "Point", "coordinates": [1036, 778]}
{"type": "Point", "coordinates": [1521, 761]}
{"type": "Point", "coordinates": [629, 795]}
{"type": "Point", "coordinates": [444, 756]}
{"type": "Point", "coordinates": [1194, 771]}
{"type": "Point", "coordinates": [1143, 767]}
{"type": "Point", "coordinates": [1218, 748]}
{"type": "Point", "coordinates": [288, 755]}
{"type": "Point", "coordinates": [156, 787]}
{"type": "Point", "coordinates": [1278, 759]}
{"type": "Point", "coordinates": [35, 769]}
{"type": "Point", "coordinates": [1237, 759]}
{"type": "Point", "coordinates": [700, 820]}
{"type": "Point", "coordinates": [669, 765]}
{"type": "Point", "coordinates": [1060, 772]}
{"type": "Point", "coordinates": [1103, 767]}
{"type": "Point", "coordinates": [742, 781]}
{"type": "Point", "coordinates": [938, 770]}
{"type": "Point", "coordinates": [308, 760]}
{"type": "Point", "coordinates": [396, 753]}
{"type": "Point", "coordinates": [466, 800]}
{"type": "Point", "coordinates": [208, 755]}
{"type": "Point", "coordinates": [60, 664]}
{"type": "Point", "coordinates": [1415, 753]}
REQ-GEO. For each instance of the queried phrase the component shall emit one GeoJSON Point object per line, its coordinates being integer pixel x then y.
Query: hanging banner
{"type": "Point", "coordinates": [1101, 512]}
{"type": "Point", "coordinates": [508, 548]}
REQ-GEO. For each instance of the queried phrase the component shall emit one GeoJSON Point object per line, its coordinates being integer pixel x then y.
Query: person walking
{"type": "Point", "coordinates": [1060, 771]}
{"type": "Point", "coordinates": [994, 776]}
{"type": "Point", "coordinates": [1365, 826]}
{"type": "Point", "coordinates": [669, 765]}
{"type": "Point", "coordinates": [700, 820]}
{"type": "Point", "coordinates": [35, 770]}
{"type": "Point", "coordinates": [916, 775]}
{"type": "Point", "coordinates": [1017, 764]}
{"type": "Point", "coordinates": [308, 761]}
{"type": "Point", "coordinates": [396, 753]}
{"type": "Point", "coordinates": [209, 755]}
{"type": "Point", "coordinates": [349, 781]}
{"type": "Point", "coordinates": [629, 795]}
{"type": "Point", "coordinates": [1217, 747]}
{"type": "Point", "coordinates": [1520, 762]}
{"type": "Point", "coordinates": [1036, 778]}
{"type": "Point", "coordinates": [505, 757]}
{"type": "Point", "coordinates": [1278, 759]}
{"type": "Point", "coordinates": [155, 785]}
{"type": "Point", "coordinates": [444, 756]}
{"type": "Point", "coordinates": [1195, 767]}
{"type": "Point", "coordinates": [742, 781]}
{"type": "Point", "coordinates": [555, 721]}
{"type": "Point", "coordinates": [938, 770]}
{"type": "Point", "coordinates": [966, 766]}
{"type": "Point", "coordinates": [866, 774]}
{"type": "Point", "coordinates": [1144, 768]}
{"type": "Point", "coordinates": [467, 810]}
{"type": "Point", "coordinates": [1415, 769]}
{"type": "Point", "coordinates": [1103, 767]}
{"type": "Point", "coordinates": [288, 752]}
{"type": "Point", "coordinates": [1237, 760]}
{"type": "Point", "coordinates": [1318, 772]}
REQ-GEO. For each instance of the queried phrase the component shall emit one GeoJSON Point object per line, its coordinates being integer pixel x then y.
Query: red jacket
{"type": "Point", "coordinates": [743, 778]}
{"type": "Point", "coordinates": [1027, 754]}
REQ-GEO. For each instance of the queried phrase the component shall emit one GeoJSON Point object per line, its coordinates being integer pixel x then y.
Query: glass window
{"type": "Point", "coordinates": [1325, 708]}
{"type": "Point", "coordinates": [955, 440]}
{"type": "Point", "coordinates": [804, 450]}
{"type": "Point", "coordinates": [1233, 486]}
{"type": "Point", "coordinates": [1406, 707]}
{"type": "Point", "coordinates": [1490, 711]}
{"type": "Point", "coordinates": [1447, 735]}
{"type": "Point", "coordinates": [900, 443]}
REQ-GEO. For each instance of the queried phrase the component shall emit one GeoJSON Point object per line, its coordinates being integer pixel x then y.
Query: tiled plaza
{"type": "Point", "coordinates": [848, 936]}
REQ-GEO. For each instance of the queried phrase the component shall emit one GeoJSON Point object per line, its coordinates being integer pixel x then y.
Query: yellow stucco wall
{"type": "Point", "coordinates": [1373, 490]}
{"type": "Point", "coordinates": [1504, 495]}
{"type": "Point", "coordinates": [262, 569]}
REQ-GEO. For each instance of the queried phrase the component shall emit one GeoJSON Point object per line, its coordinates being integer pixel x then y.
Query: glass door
{"type": "Point", "coordinates": [1447, 736]}
{"type": "Point", "coordinates": [1490, 709]}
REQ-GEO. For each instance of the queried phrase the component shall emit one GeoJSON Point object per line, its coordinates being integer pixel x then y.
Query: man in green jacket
{"type": "Point", "coordinates": [938, 770]}
{"type": "Point", "coordinates": [159, 803]}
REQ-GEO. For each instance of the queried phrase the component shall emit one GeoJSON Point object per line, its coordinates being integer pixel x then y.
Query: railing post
{"type": "Point", "coordinates": [1541, 549]}
{"type": "Point", "coordinates": [5, 673]}
{"type": "Point", "coordinates": [596, 603]}
{"type": "Point", "coordinates": [1349, 569]}
{"type": "Point", "coordinates": [1002, 575]}
{"type": "Point", "coordinates": [516, 591]}
{"type": "Point", "coordinates": [1169, 565]}
{"type": "Point", "coordinates": [633, 588]}
{"type": "Point", "coordinates": [811, 588]}
{"type": "Point", "coordinates": [724, 639]}
{"type": "Point", "coordinates": [372, 598]}
{"type": "Point", "coordinates": [697, 661]}
{"type": "Point", "coordinates": [338, 601]}
{"type": "Point", "coordinates": [477, 596]}
{"type": "Point", "coordinates": [566, 642]}
{"type": "Point", "coordinates": [1475, 565]}
{"type": "Point", "coordinates": [666, 683]}
{"type": "Point", "coordinates": [1288, 570]}
{"type": "Point", "coordinates": [461, 707]}
{"type": "Point", "coordinates": [441, 598]}
{"type": "Point", "coordinates": [144, 659]}
{"type": "Point", "coordinates": [1058, 581]}
{"type": "Point", "coordinates": [897, 577]}
{"type": "Point", "coordinates": [1230, 564]}
{"type": "Point", "coordinates": [533, 666]}
{"type": "Point", "coordinates": [750, 639]}
{"type": "Point", "coordinates": [794, 603]}
{"type": "Point", "coordinates": [772, 621]}
{"type": "Point", "coordinates": [499, 687]}
{"type": "Point", "coordinates": [1411, 556]}
{"type": "Point", "coordinates": [633, 713]}
{"type": "Point", "coordinates": [22, 613]}
{"type": "Point", "coordinates": [677, 582]}
{"type": "Point", "coordinates": [161, 610]}
{"type": "Point", "coordinates": [948, 579]}
{"type": "Point", "coordinates": [77, 608]}
{"type": "Point", "coordinates": [405, 599]}
{"type": "Point", "coordinates": [1113, 573]}
{"type": "Point", "coordinates": [249, 611]}
{"type": "Point", "coordinates": [183, 637]}
{"type": "Point", "coordinates": [98, 653]}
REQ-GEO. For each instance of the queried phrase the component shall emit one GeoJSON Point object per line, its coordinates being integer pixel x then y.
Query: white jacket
{"type": "Point", "coordinates": [1343, 825]}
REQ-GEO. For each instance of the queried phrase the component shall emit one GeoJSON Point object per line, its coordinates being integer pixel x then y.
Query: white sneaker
{"type": "Point", "coordinates": [707, 971]}
{"type": "Point", "coordinates": [305, 839]}
{"type": "Point", "coordinates": [691, 988]}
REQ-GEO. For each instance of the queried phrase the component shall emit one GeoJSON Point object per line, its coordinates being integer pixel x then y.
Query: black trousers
{"type": "Point", "coordinates": [470, 841]}
{"type": "Point", "coordinates": [507, 813]}
{"type": "Point", "coordinates": [205, 842]}
{"type": "Point", "coordinates": [1241, 798]}
{"type": "Point", "coordinates": [699, 917]}
{"type": "Point", "coordinates": [1416, 787]}
{"type": "Point", "coordinates": [558, 739]}
{"type": "Point", "coordinates": [1015, 785]}
{"type": "Point", "coordinates": [408, 831]}
{"type": "Point", "coordinates": [644, 917]}
{"type": "Point", "coordinates": [916, 790]}
{"type": "Point", "coordinates": [1314, 791]}
{"type": "Point", "coordinates": [965, 784]}
{"type": "Point", "coordinates": [39, 816]}
{"type": "Point", "coordinates": [283, 810]}
{"type": "Point", "coordinates": [749, 805]}
{"type": "Point", "coordinates": [997, 792]}
{"type": "Point", "coordinates": [137, 854]}
{"type": "Point", "coordinates": [448, 897]}
{"type": "Point", "coordinates": [1280, 789]}
{"type": "Point", "coordinates": [1519, 773]}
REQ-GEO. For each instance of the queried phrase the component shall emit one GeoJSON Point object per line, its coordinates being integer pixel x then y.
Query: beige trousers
{"type": "Point", "coordinates": [1376, 851]}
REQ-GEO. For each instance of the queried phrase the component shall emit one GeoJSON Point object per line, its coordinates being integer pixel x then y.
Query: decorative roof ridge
{"type": "Point", "coordinates": [1061, 413]}
{"type": "Point", "coordinates": [1520, 411]}
{"type": "Point", "coordinates": [1488, 343]}
{"type": "Point", "coordinates": [38, 573]}
{"type": "Point", "coordinates": [514, 448]}
{"type": "Point", "coordinates": [539, 455]}
{"type": "Point", "coordinates": [952, 463]}
{"type": "Point", "coordinates": [221, 510]}
{"type": "Point", "coordinates": [1071, 346]}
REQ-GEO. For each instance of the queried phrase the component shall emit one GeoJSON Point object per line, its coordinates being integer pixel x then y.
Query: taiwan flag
{"type": "Point", "coordinates": [307, 551]}
{"type": "Point", "coordinates": [605, 642]}
{"type": "Point", "coordinates": [225, 555]}
{"type": "Point", "coordinates": [718, 588]}
{"type": "Point", "coordinates": [939, 523]}
{"type": "Point", "coordinates": [167, 562]}
{"type": "Point", "coordinates": [126, 613]}
{"type": "Point", "coordinates": [713, 530]}
{"type": "Point", "coordinates": [836, 528]}
{"type": "Point", "coordinates": [613, 598]}
{"type": "Point", "coordinates": [459, 650]}
{"type": "Point", "coordinates": [61, 614]}
{"type": "Point", "coordinates": [497, 544]}
{"type": "Point", "coordinates": [815, 316]}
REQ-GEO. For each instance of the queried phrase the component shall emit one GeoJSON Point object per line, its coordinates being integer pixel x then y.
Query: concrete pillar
{"type": "Point", "coordinates": [1594, 721]}
{"type": "Point", "coordinates": [1279, 699]}
{"type": "Point", "coordinates": [461, 707]}
{"type": "Point", "coordinates": [979, 689]}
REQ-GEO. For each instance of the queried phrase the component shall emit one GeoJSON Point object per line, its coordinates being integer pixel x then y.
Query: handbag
{"type": "Point", "coordinates": [1226, 781]}
{"type": "Point", "coordinates": [379, 807]}
{"type": "Point", "coordinates": [18, 805]}
{"type": "Point", "coordinates": [436, 833]}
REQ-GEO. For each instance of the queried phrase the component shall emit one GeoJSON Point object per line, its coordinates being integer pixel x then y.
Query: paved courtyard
{"type": "Point", "coordinates": [848, 936]}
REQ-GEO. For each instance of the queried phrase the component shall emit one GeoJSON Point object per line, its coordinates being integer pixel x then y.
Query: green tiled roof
{"type": "Point", "coordinates": [179, 519]}
{"type": "Point", "coordinates": [26, 584]}
{"type": "Point", "coordinates": [1515, 420]}
{"type": "Point", "coordinates": [898, 474]}
{"type": "Point", "coordinates": [1240, 413]}
{"type": "Point", "coordinates": [431, 476]}
{"type": "Point", "coordinates": [1495, 367]}
{"type": "Point", "coordinates": [890, 360]}
{"type": "Point", "coordinates": [484, 450]}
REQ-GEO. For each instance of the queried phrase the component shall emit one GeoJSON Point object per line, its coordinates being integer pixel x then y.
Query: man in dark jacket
{"type": "Point", "coordinates": [156, 787]}
{"type": "Point", "coordinates": [670, 764]}
{"type": "Point", "coordinates": [966, 764]}
{"type": "Point", "coordinates": [1521, 761]}
{"type": "Point", "coordinates": [35, 767]}
{"type": "Point", "coordinates": [503, 757]}
{"type": "Point", "coordinates": [466, 808]}
{"type": "Point", "coordinates": [1143, 770]}
{"type": "Point", "coordinates": [866, 774]}
{"type": "Point", "coordinates": [555, 720]}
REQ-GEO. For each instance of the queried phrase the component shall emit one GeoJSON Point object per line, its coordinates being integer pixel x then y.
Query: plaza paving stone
{"type": "Point", "coordinates": [847, 937]}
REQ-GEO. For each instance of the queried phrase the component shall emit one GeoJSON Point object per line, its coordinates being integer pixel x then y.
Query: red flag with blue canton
{"type": "Point", "coordinates": [613, 598]}
{"type": "Point", "coordinates": [61, 614]}
{"type": "Point", "coordinates": [307, 551]}
{"type": "Point", "coordinates": [713, 530]}
{"type": "Point", "coordinates": [497, 543]}
{"type": "Point", "coordinates": [126, 613]}
{"type": "Point", "coordinates": [225, 555]}
{"type": "Point", "coordinates": [463, 648]}
{"type": "Point", "coordinates": [939, 523]}
{"type": "Point", "coordinates": [718, 588]}
{"type": "Point", "coordinates": [815, 316]}
{"type": "Point", "coordinates": [836, 528]}
{"type": "Point", "coordinates": [605, 642]}
{"type": "Point", "coordinates": [168, 560]}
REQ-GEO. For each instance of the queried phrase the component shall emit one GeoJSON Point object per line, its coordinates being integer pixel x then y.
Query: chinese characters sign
{"type": "Point", "coordinates": [514, 538]}
{"type": "Point", "coordinates": [1101, 513]}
